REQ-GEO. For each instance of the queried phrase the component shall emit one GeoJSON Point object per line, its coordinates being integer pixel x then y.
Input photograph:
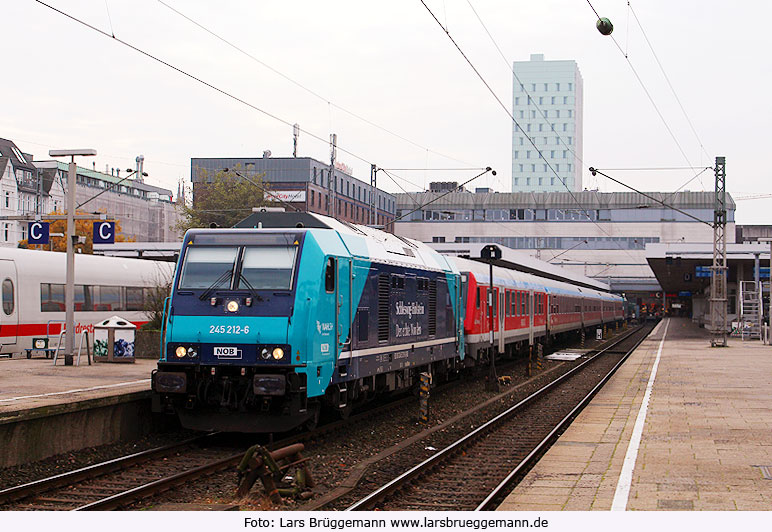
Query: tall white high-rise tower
{"type": "Point", "coordinates": [548, 106]}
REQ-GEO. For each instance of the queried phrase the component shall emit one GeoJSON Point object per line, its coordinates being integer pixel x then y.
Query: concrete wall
{"type": "Point", "coordinates": [42, 432]}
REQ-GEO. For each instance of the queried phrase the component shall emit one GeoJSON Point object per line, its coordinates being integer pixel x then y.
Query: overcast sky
{"type": "Point", "coordinates": [65, 85]}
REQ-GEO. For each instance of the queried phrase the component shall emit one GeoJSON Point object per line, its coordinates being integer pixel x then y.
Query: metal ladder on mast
{"type": "Point", "coordinates": [750, 310]}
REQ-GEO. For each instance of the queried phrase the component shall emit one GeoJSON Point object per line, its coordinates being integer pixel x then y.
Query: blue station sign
{"type": "Point", "coordinates": [38, 232]}
{"type": "Point", "coordinates": [104, 232]}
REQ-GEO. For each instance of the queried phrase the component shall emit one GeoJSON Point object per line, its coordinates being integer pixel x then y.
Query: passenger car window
{"type": "Point", "coordinates": [8, 297]}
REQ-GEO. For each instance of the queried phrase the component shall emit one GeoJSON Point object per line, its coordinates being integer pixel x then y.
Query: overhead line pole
{"type": "Point", "coordinates": [718, 292]}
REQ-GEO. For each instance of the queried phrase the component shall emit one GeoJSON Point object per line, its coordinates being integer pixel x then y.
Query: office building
{"type": "Point", "coordinates": [547, 105]}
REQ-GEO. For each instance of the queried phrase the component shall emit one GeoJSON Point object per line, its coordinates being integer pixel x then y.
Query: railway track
{"type": "Point", "coordinates": [478, 470]}
{"type": "Point", "coordinates": [124, 481]}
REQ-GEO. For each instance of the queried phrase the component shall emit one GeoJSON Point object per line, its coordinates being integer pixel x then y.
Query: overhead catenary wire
{"type": "Point", "coordinates": [517, 124]}
{"type": "Point", "coordinates": [667, 78]}
{"type": "Point", "coordinates": [201, 81]}
{"type": "Point", "coordinates": [522, 85]}
{"type": "Point", "coordinates": [652, 198]}
{"type": "Point", "coordinates": [420, 207]}
{"type": "Point", "coordinates": [646, 91]}
{"type": "Point", "coordinates": [262, 189]}
{"type": "Point", "coordinates": [310, 91]}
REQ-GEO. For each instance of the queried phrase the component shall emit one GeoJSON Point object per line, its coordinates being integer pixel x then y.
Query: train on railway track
{"type": "Point", "coordinates": [267, 325]}
{"type": "Point", "coordinates": [32, 293]}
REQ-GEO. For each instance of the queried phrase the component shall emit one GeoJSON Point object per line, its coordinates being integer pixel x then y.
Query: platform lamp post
{"type": "Point", "coordinates": [69, 291]}
{"type": "Point", "coordinates": [491, 253]}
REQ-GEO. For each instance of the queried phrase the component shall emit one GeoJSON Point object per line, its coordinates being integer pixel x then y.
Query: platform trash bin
{"type": "Point", "coordinates": [114, 340]}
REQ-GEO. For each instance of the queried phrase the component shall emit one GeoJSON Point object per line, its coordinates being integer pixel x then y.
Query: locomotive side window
{"type": "Point", "coordinates": [208, 267]}
{"type": "Point", "coordinates": [477, 298]}
{"type": "Point", "coordinates": [329, 276]}
{"type": "Point", "coordinates": [7, 297]}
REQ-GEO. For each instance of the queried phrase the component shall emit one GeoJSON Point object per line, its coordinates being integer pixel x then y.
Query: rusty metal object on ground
{"type": "Point", "coordinates": [271, 468]}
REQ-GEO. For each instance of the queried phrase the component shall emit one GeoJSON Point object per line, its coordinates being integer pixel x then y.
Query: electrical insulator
{"type": "Point", "coordinates": [604, 25]}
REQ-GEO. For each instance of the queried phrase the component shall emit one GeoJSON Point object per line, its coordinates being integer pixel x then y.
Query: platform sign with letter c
{"type": "Point", "coordinates": [104, 232]}
{"type": "Point", "coordinates": [38, 232]}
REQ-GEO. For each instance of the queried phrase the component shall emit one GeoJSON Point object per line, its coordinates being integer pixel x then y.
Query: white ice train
{"type": "Point", "coordinates": [32, 293]}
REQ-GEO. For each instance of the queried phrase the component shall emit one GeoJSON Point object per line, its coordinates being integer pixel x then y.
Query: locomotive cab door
{"type": "Point", "coordinates": [9, 307]}
{"type": "Point", "coordinates": [343, 303]}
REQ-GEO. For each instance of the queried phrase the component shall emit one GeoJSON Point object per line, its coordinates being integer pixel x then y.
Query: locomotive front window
{"type": "Point", "coordinates": [268, 268]}
{"type": "Point", "coordinates": [208, 267]}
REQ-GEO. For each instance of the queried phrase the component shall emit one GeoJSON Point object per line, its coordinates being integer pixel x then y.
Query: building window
{"type": "Point", "coordinates": [517, 180]}
{"type": "Point", "coordinates": [570, 113]}
{"type": "Point", "coordinates": [517, 100]}
{"type": "Point", "coordinates": [541, 100]}
{"type": "Point", "coordinates": [552, 181]}
{"type": "Point", "coordinates": [540, 181]}
{"type": "Point", "coordinates": [570, 87]}
{"type": "Point", "coordinates": [533, 87]}
{"type": "Point", "coordinates": [528, 127]}
{"type": "Point", "coordinates": [552, 100]}
{"type": "Point", "coordinates": [7, 200]}
{"type": "Point", "coordinates": [528, 154]}
{"type": "Point", "coordinates": [522, 114]}
{"type": "Point", "coordinates": [565, 127]}
{"type": "Point", "coordinates": [533, 114]}
{"type": "Point", "coordinates": [521, 141]}
{"type": "Point", "coordinates": [528, 181]}
{"type": "Point", "coordinates": [438, 239]}
{"type": "Point", "coordinates": [546, 114]}
{"type": "Point", "coordinates": [545, 87]}
{"type": "Point", "coordinates": [569, 167]}
{"type": "Point", "coordinates": [557, 167]}
{"type": "Point", "coordinates": [517, 154]}
{"type": "Point", "coordinates": [533, 168]}
{"type": "Point", "coordinates": [565, 154]}
{"type": "Point", "coordinates": [570, 141]}
{"type": "Point", "coordinates": [552, 154]}
{"type": "Point", "coordinates": [557, 114]}
{"type": "Point", "coordinates": [557, 87]}
{"type": "Point", "coordinates": [541, 127]}
{"type": "Point", "coordinates": [565, 100]}
{"type": "Point", "coordinates": [544, 169]}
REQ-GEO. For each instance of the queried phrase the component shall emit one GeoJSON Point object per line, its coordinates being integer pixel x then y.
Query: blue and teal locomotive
{"type": "Point", "coordinates": [269, 323]}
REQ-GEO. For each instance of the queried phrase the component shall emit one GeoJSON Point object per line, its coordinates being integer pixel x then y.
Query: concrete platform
{"type": "Point", "coordinates": [47, 409]}
{"type": "Point", "coordinates": [704, 440]}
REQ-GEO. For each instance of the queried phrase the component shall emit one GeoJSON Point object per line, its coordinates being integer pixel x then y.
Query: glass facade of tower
{"type": "Point", "coordinates": [547, 147]}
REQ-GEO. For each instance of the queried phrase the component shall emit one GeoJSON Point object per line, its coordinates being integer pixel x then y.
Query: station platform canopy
{"type": "Point", "coordinates": [682, 267]}
{"type": "Point", "coordinates": [517, 260]}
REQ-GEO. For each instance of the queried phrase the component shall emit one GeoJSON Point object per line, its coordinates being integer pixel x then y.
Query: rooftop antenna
{"type": "Point", "coordinates": [295, 135]}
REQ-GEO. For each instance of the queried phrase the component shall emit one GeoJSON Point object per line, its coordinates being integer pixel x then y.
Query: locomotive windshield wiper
{"type": "Point", "coordinates": [217, 281]}
{"type": "Point", "coordinates": [251, 288]}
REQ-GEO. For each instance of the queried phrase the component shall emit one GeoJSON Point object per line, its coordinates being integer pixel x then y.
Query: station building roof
{"type": "Point", "coordinates": [682, 266]}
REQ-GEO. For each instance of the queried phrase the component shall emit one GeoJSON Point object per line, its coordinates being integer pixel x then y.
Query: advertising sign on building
{"type": "Point", "coordinates": [286, 195]}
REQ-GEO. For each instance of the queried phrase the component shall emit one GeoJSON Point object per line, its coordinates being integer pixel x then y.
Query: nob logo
{"type": "Point", "coordinates": [323, 328]}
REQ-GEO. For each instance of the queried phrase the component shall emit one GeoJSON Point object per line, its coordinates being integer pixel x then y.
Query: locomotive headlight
{"type": "Point", "coordinates": [192, 352]}
{"type": "Point", "coordinates": [278, 353]}
{"type": "Point", "coordinates": [232, 306]}
{"type": "Point", "coordinates": [265, 354]}
{"type": "Point", "coordinates": [181, 351]}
